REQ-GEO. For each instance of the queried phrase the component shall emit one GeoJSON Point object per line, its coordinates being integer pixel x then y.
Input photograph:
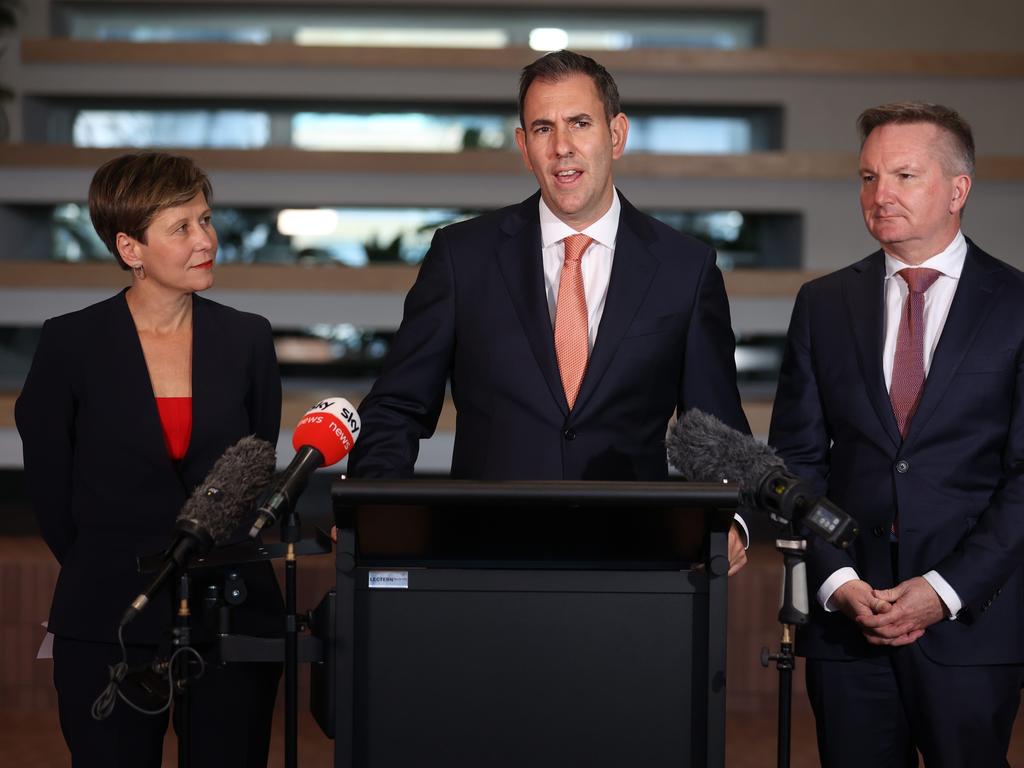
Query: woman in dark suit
{"type": "Point", "coordinates": [127, 406]}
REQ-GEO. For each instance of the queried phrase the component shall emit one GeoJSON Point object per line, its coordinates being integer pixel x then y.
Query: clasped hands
{"type": "Point", "coordinates": [897, 616]}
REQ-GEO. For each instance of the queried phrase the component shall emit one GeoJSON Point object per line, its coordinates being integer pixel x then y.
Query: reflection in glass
{"type": "Point", "coordinates": [705, 131]}
{"type": "Point", "coordinates": [357, 237]}
{"type": "Point", "coordinates": [399, 37]}
{"type": "Point", "coordinates": [743, 240]}
{"type": "Point", "coordinates": [400, 132]}
{"type": "Point", "coordinates": [363, 236]}
{"type": "Point", "coordinates": [193, 128]}
{"type": "Point", "coordinates": [468, 27]}
{"type": "Point", "coordinates": [693, 135]}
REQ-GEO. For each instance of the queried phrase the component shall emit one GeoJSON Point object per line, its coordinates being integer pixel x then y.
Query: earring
{"type": "Point", "coordinates": [139, 271]}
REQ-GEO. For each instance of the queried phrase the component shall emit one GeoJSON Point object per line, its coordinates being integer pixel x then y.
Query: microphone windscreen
{"type": "Point", "coordinates": [230, 489]}
{"type": "Point", "coordinates": [705, 450]}
{"type": "Point", "coordinates": [331, 426]}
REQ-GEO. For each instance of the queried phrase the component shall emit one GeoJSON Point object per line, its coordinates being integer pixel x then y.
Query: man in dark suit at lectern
{"type": "Point", "coordinates": [902, 398]}
{"type": "Point", "coordinates": [571, 325]}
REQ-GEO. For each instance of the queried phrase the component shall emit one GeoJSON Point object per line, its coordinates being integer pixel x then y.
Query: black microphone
{"type": "Point", "coordinates": [214, 510]}
{"type": "Point", "coordinates": [705, 450]}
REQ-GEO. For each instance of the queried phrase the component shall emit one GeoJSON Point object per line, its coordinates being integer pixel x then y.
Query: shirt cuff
{"type": "Point", "coordinates": [946, 593]}
{"type": "Point", "coordinates": [743, 529]}
{"type": "Point", "coordinates": [832, 583]}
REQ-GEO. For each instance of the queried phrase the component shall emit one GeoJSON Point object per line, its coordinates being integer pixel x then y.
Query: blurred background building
{"type": "Point", "coordinates": [339, 135]}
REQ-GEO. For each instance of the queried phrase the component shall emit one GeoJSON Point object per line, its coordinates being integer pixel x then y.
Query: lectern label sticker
{"type": "Point", "coordinates": [389, 579]}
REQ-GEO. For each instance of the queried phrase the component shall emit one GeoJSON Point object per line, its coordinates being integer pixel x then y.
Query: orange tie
{"type": "Point", "coordinates": [572, 345]}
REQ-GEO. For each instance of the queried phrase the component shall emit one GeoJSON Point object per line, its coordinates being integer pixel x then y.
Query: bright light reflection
{"type": "Point", "coordinates": [398, 37]}
{"type": "Point", "coordinates": [548, 39]}
{"type": "Point", "coordinates": [316, 222]}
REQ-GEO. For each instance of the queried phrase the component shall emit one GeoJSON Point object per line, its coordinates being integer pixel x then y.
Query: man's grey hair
{"type": "Point", "coordinates": [958, 157]}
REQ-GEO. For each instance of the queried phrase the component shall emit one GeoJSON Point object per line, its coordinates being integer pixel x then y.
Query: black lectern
{"type": "Point", "coordinates": [529, 624]}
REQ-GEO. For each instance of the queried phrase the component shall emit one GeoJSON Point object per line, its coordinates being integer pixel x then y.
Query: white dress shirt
{"type": "Point", "coordinates": [937, 301]}
{"type": "Point", "coordinates": [596, 263]}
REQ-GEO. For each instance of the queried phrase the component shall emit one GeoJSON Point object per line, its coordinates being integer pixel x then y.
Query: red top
{"type": "Point", "coordinates": [176, 420]}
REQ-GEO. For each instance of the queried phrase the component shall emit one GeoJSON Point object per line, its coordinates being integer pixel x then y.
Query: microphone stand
{"type": "Point", "coordinates": [182, 638]}
{"type": "Point", "coordinates": [290, 536]}
{"type": "Point", "coordinates": [792, 613]}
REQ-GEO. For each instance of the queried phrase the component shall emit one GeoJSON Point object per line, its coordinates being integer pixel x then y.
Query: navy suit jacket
{"type": "Point", "coordinates": [955, 482]}
{"type": "Point", "coordinates": [103, 488]}
{"type": "Point", "coordinates": [477, 315]}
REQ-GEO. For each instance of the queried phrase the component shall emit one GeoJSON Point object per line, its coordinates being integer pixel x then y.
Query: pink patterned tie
{"type": "Point", "coordinates": [908, 363]}
{"type": "Point", "coordinates": [572, 344]}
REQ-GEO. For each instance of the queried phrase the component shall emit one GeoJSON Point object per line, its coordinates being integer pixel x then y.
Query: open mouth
{"type": "Point", "coordinates": [568, 176]}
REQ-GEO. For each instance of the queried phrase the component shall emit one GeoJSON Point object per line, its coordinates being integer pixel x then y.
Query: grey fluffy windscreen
{"type": "Point", "coordinates": [228, 492]}
{"type": "Point", "coordinates": [705, 450]}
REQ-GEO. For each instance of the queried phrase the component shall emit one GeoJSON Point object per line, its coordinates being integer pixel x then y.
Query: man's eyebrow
{"type": "Point", "coordinates": [908, 166]}
{"type": "Point", "coordinates": [541, 121]}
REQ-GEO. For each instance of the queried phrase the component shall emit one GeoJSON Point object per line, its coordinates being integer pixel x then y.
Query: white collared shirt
{"type": "Point", "coordinates": [596, 263]}
{"type": "Point", "coordinates": [937, 301]}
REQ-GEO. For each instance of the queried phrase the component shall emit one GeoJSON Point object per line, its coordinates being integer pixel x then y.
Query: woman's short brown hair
{"type": "Point", "coordinates": [128, 192]}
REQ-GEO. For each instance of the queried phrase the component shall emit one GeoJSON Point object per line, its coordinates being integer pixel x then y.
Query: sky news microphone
{"type": "Point", "coordinates": [214, 510]}
{"type": "Point", "coordinates": [323, 437]}
{"type": "Point", "coordinates": [705, 450]}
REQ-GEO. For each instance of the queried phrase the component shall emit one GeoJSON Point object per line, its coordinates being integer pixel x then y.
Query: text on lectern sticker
{"type": "Point", "coordinates": [389, 579]}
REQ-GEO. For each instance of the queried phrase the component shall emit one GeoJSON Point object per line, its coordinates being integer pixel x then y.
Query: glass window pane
{"type": "Point", "coordinates": [399, 37]}
{"type": "Point", "coordinates": [704, 135]}
{"type": "Point", "coordinates": [479, 27]}
{"type": "Point", "coordinates": [731, 130]}
{"type": "Point", "coordinates": [226, 128]}
{"type": "Point", "coordinates": [357, 237]}
{"type": "Point", "coordinates": [400, 132]}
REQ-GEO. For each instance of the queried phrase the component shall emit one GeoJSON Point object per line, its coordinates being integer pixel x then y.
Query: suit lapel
{"type": "Point", "coordinates": [521, 265]}
{"type": "Point", "coordinates": [865, 304]}
{"type": "Point", "coordinates": [137, 388]}
{"type": "Point", "coordinates": [633, 270]}
{"type": "Point", "coordinates": [975, 296]}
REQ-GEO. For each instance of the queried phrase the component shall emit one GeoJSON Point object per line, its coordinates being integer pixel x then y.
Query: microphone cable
{"type": "Point", "coordinates": [104, 704]}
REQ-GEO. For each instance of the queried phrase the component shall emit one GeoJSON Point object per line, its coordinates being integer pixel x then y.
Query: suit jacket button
{"type": "Point", "coordinates": [903, 466]}
{"type": "Point", "coordinates": [570, 434]}
{"type": "Point", "coordinates": [878, 531]}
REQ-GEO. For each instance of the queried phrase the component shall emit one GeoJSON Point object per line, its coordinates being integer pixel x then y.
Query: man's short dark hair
{"type": "Point", "coordinates": [557, 66]}
{"type": "Point", "coordinates": [959, 154]}
{"type": "Point", "coordinates": [128, 192]}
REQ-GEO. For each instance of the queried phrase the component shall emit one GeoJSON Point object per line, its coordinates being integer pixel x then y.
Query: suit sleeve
{"type": "Point", "coordinates": [45, 416]}
{"type": "Point", "coordinates": [800, 431]}
{"type": "Point", "coordinates": [265, 386]}
{"type": "Point", "coordinates": [994, 548]}
{"type": "Point", "coordinates": [709, 368]}
{"type": "Point", "coordinates": [404, 404]}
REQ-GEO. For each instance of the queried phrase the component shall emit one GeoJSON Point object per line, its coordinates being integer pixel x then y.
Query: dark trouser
{"type": "Point", "coordinates": [232, 709]}
{"type": "Point", "coordinates": [880, 712]}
